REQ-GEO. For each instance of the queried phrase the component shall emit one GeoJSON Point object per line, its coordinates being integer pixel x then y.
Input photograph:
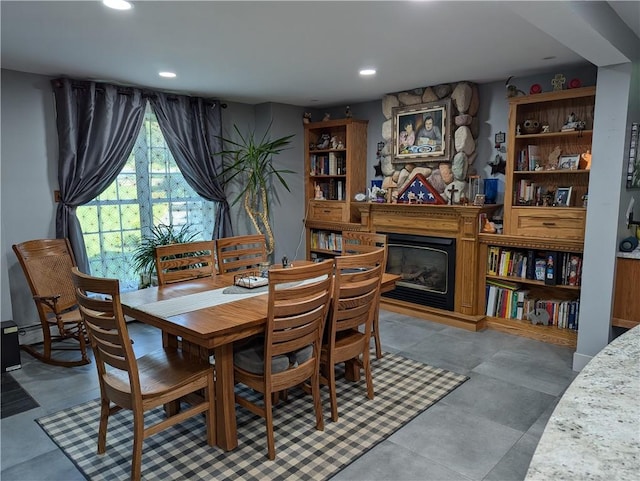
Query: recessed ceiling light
{"type": "Point", "coordinates": [368, 71]}
{"type": "Point", "coordinates": [117, 4]}
{"type": "Point", "coordinates": [167, 74]}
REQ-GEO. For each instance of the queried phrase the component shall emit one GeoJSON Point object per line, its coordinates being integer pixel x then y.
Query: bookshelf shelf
{"type": "Point", "coordinates": [530, 282]}
{"type": "Point", "coordinates": [548, 135]}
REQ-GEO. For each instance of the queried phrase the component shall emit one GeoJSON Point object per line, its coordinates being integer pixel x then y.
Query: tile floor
{"type": "Point", "coordinates": [487, 429]}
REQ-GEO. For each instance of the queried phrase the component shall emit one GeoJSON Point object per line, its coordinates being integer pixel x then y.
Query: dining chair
{"type": "Point", "coordinates": [155, 379]}
{"type": "Point", "coordinates": [289, 352]}
{"type": "Point", "coordinates": [240, 252]}
{"type": "Point", "coordinates": [356, 294]}
{"type": "Point", "coordinates": [185, 261]}
{"type": "Point", "coordinates": [354, 242]}
{"type": "Point", "coordinates": [47, 264]}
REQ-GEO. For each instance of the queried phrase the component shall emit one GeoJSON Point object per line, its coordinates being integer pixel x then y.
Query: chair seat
{"type": "Point", "coordinates": [160, 371]}
{"type": "Point", "coordinates": [250, 358]}
{"type": "Point", "coordinates": [70, 317]}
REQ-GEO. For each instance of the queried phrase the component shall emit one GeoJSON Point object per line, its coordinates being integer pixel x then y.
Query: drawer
{"type": "Point", "coordinates": [328, 211]}
{"type": "Point", "coordinates": [554, 222]}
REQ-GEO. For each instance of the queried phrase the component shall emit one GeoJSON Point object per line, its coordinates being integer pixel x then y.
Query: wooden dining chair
{"type": "Point", "coordinates": [142, 384]}
{"type": "Point", "coordinates": [185, 261]}
{"type": "Point", "coordinates": [354, 242]}
{"type": "Point", "coordinates": [356, 294]}
{"type": "Point", "coordinates": [47, 264]}
{"type": "Point", "coordinates": [289, 352]}
{"type": "Point", "coordinates": [240, 252]}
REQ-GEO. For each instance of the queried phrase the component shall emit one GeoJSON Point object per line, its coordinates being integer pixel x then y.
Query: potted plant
{"type": "Point", "coordinates": [161, 234]}
{"type": "Point", "coordinates": [250, 162]}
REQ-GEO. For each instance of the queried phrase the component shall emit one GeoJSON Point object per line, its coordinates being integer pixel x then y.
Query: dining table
{"type": "Point", "coordinates": [206, 316]}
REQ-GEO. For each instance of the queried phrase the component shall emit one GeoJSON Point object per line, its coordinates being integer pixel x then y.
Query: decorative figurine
{"type": "Point", "coordinates": [518, 129]}
{"type": "Point", "coordinates": [545, 129]}
{"type": "Point", "coordinates": [512, 90]}
{"type": "Point", "coordinates": [306, 118]}
{"type": "Point", "coordinates": [323, 143]}
{"type": "Point", "coordinates": [585, 161]}
{"type": "Point", "coordinates": [318, 192]}
{"type": "Point", "coordinates": [531, 126]}
{"type": "Point", "coordinates": [575, 83]}
{"type": "Point", "coordinates": [347, 112]}
{"type": "Point", "coordinates": [558, 82]}
{"type": "Point", "coordinates": [572, 123]}
{"type": "Point", "coordinates": [535, 89]}
{"type": "Point", "coordinates": [327, 117]}
{"type": "Point", "coordinates": [554, 158]}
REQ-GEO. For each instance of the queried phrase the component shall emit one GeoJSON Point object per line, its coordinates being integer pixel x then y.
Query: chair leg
{"type": "Point", "coordinates": [317, 402]}
{"type": "Point", "coordinates": [366, 365]}
{"type": "Point", "coordinates": [104, 421]}
{"type": "Point", "coordinates": [268, 417]}
{"type": "Point", "coordinates": [138, 437]}
{"type": "Point", "coordinates": [376, 337]}
{"type": "Point", "coordinates": [210, 414]}
{"type": "Point", "coordinates": [331, 377]}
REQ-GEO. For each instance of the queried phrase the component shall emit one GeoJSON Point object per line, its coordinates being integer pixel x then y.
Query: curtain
{"type": "Point", "coordinates": [192, 128]}
{"type": "Point", "coordinates": [97, 128]}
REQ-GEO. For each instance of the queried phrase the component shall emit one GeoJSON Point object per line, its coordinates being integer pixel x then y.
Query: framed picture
{"type": "Point", "coordinates": [479, 200]}
{"type": "Point", "coordinates": [569, 162]}
{"type": "Point", "coordinates": [422, 133]}
{"type": "Point", "coordinates": [563, 196]}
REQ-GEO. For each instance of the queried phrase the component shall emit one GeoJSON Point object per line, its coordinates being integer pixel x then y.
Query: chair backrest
{"type": "Point", "coordinates": [299, 298]}
{"type": "Point", "coordinates": [240, 252]}
{"type": "Point", "coordinates": [354, 242]}
{"type": "Point", "coordinates": [181, 262]}
{"type": "Point", "coordinates": [356, 293]}
{"type": "Point", "coordinates": [47, 266]}
{"type": "Point", "coordinates": [99, 302]}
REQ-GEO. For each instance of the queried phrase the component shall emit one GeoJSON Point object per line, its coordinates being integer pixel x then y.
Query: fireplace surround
{"type": "Point", "coordinates": [456, 223]}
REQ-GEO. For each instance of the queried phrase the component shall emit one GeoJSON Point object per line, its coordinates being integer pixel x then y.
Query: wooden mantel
{"type": "Point", "coordinates": [452, 221]}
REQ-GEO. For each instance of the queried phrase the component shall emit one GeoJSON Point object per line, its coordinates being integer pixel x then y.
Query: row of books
{"type": "Point", "coordinates": [527, 192]}
{"type": "Point", "coordinates": [552, 267]}
{"type": "Point", "coordinates": [511, 301]}
{"type": "Point", "coordinates": [328, 164]}
{"type": "Point", "coordinates": [329, 241]}
{"type": "Point", "coordinates": [529, 158]}
{"type": "Point", "coordinates": [332, 189]}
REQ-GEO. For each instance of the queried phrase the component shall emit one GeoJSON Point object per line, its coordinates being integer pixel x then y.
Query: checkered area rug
{"type": "Point", "coordinates": [403, 389]}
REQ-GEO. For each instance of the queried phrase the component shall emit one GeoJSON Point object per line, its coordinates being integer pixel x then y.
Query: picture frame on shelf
{"type": "Point", "coordinates": [479, 200]}
{"type": "Point", "coordinates": [422, 133]}
{"type": "Point", "coordinates": [569, 162]}
{"type": "Point", "coordinates": [563, 197]}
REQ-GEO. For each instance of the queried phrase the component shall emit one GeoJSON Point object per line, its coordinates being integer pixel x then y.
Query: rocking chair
{"type": "Point", "coordinates": [47, 266]}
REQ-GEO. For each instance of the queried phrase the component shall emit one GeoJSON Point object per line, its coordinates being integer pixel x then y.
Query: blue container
{"type": "Point", "coordinates": [490, 190]}
{"type": "Point", "coordinates": [376, 183]}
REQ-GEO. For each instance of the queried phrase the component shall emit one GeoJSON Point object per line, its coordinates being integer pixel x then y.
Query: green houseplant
{"type": "Point", "coordinates": [250, 162]}
{"type": "Point", "coordinates": [161, 234]}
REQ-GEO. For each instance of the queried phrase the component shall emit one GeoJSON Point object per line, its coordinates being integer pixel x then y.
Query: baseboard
{"type": "Point", "coordinates": [580, 361]}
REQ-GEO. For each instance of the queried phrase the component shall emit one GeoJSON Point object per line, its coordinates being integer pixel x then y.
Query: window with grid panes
{"type": "Point", "coordinates": [150, 190]}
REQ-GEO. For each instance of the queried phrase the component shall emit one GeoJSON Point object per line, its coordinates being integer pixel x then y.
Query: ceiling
{"type": "Point", "coordinates": [297, 53]}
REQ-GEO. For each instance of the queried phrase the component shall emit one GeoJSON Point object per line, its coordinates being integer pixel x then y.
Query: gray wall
{"type": "Point", "coordinates": [29, 158]}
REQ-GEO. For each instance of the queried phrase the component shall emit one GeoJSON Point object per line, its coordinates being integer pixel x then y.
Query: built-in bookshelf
{"type": "Point", "coordinates": [335, 163]}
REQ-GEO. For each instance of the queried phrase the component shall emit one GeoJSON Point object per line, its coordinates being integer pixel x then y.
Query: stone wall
{"type": "Point", "coordinates": [442, 175]}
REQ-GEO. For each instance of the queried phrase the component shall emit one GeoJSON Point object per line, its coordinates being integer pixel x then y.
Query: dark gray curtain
{"type": "Point", "coordinates": [97, 127]}
{"type": "Point", "coordinates": [192, 128]}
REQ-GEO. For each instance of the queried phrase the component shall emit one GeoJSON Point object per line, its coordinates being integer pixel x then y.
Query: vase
{"type": "Point", "coordinates": [490, 190]}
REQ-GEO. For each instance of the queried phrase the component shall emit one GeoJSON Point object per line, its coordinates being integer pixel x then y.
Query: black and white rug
{"type": "Point", "coordinates": [403, 389]}
{"type": "Point", "coordinates": [15, 399]}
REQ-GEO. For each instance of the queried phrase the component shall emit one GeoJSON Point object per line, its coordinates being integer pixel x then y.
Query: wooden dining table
{"type": "Point", "coordinates": [208, 315]}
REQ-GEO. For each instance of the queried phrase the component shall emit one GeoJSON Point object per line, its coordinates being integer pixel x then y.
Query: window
{"type": "Point", "coordinates": [150, 190]}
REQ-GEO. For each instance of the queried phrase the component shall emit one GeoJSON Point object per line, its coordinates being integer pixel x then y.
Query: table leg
{"type": "Point", "coordinates": [227, 437]}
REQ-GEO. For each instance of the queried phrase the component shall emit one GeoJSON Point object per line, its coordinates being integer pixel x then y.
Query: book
{"type": "Point", "coordinates": [534, 157]}
{"type": "Point", "coordinates": [492, 292]}
{"type": "Point", "coordinates": [551, 267]}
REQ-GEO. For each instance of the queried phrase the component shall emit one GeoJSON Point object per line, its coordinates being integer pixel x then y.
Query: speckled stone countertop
{"type": "Point", "coordinates": [634, 254]}
{"type": "Point", "coordinates": [594, 431]}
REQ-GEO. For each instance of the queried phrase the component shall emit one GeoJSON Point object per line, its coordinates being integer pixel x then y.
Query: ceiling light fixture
{"type": "Point", "coordinates": [167, 74]}
{"type": "Point", "coordinates": [367, 71]}
{"type": "Point", "coordinates": [117, 4]}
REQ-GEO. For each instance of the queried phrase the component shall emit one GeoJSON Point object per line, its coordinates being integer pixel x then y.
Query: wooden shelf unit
{"type": "Point", "coordinates": [339, 173]}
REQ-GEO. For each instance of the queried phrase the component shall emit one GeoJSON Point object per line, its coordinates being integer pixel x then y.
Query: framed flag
{"type": "Point", "coordinates": [419, 191]}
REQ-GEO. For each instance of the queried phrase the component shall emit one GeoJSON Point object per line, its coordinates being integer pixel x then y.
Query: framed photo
{"type": "Point", "coordinates": [568, 162]}
{"type": "Point", "coordinates": [422, 133]}
{"type": "Point", "coordinates": [479, 200]}
{"type": "Point", "coordinates": [563, 196]}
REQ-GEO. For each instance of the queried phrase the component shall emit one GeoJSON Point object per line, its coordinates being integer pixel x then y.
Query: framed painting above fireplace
{"type": "Point", "coordinates": [422, 133]}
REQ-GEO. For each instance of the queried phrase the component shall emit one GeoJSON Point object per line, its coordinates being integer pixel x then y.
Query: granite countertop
{"type": "Point", "coordinates": [634, 254]}
{"type": "Point", "coordinates": [594, 431]}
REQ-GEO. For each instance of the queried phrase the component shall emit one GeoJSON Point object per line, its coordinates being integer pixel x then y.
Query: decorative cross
{"type": "Point", "coordinates": [452, 191]}
{"type": "Point", "coordinates": [558, 81]}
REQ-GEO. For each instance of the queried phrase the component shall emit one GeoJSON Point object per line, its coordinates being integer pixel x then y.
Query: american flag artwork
{"type": "Point", "coordinates": [420, 191]}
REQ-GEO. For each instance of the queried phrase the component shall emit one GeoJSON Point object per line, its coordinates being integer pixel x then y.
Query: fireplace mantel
{"type": "Point", "coordinates": [452, 221]}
